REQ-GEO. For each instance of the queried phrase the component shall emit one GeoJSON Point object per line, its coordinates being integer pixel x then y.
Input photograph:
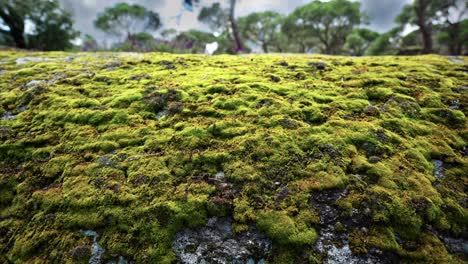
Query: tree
{"type": "Point", "coordinates": [127, 19]}
{"type": "Point", "coordinates": [193, 41]}
{"type": "Point", "coordinates": [261, 28]}
{"type": "Point", "coordinates": [453, 31]}
{"type": "Point", "coordinates": [13, 15]}
{"type": "Point", "coordinates": [169, 34]}
{"type": "Point", "coordinates": [359, 41]}
{"type": "Point", "coordinates": [298, 34]}
{"type": "Point", "coordinates": [329, 22]}
{"type": "Point", "coordinates": [223, 19]}
{"type": "Point", "coordinates": [235, 30]}
{"type": "Point", "coordinates": [280, 43]}
{"type": "Point", "coordinates": [418, 14]}
{"type": "Point", "coordinates": [52, 30]}
{"type": "Point", "coordinates": [385, 44]}
{"type": "Point", "coordinates": [215, 16]}
{"type": "Point", "coordinates": [52, 26]}
{"type": "Point", "coordinates": [89, 43]}
{"type": "Point", "coordinates": [424, 14]}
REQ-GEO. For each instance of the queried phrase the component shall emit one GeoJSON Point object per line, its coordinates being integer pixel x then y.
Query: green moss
{"type": "Point", "coordinates": [448, 117]}
{"type": "Point", "coordinates": [132, 152]}
{"type": "Point", "coordinates": [105, 146]}
{"type": "Point", "coordinates": [217, 89]}
{"type": "Point", "coordinates": [228, 104]}
{"type": "Point", "coordinates": [283, 229]}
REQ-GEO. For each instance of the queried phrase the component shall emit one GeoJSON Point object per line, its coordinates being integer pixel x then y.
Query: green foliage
{"type": "Point", "coordinates": [359, 41]}
{"type": "Point", "coordinates": [297, 34]}
{"type": "Point", "coordinates": [221, 20]}
{"type": "Point", "coordinates": [193, 40]}
{"type": "Point", "coordinates": [283, 229]}
{"type": "Point", "coordinates": [53, 26]}
{"type": "Point", "coordinates": [262, 29]}
{"type": "Point", "coordinates": [123, 17]}
{"type": "Point", "coordinates": [382, 45]}
{"type": "Point", "coordinates": [426, 14]}
{"type": "Point", "coordinates": [215, 16]}
{"type": "Point", "coordinates": [330, 22]}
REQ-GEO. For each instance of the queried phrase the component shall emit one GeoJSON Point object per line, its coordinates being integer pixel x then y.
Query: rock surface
{"type": "Point", "coordinates": [96, 251]}
{"type": "Point", "coordinates": [216, 243]}
{"type": "Point", "coordinates": [333, 244]}
{"type": "Point", "coordinates": [438, 169]}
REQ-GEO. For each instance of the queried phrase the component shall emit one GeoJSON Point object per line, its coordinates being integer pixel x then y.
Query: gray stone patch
{"type": "Point", "coordinates": [97, 251]}
{"type": "Point", "coordinates": [70, 58]}
{"type": "Point", "coordinates": [56, 77]}
{"type": "Point", "coordinates": [456, 60]}
{"type": "Point", "coordinates": [455, 104]}
{"type": "Point", "coordinates": [134, 55]}
{"type": "Point", "coordinates": [220, 176]}
{"type": "Point", "coordinates": [34, 83]}
{"type": "Point", "coordinates": [461, 89]}
{"type": "Point", "coordinates": [111, 66]}
{"type": "Point", "coordinates": [121, 260]}
{"type": "Point", "coordinates": [456, 245]}
{"type": "Point", "coordinates": [161, 114]}
{"type": "Point", "coordinates": [216, 243]}
{"type": "Point", "coordinates": [25, 60]}
{"type": "Point", "coordinates": [8, 115]}
{"type": "Point", "coordinates": [438, 169]}
{"type": "Point", "coordinates": [334, 245]}
{"type": "Point", "coordinates": [107, 161]}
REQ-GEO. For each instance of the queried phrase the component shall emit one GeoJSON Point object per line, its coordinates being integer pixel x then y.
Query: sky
{"type": "Point", "coordinates": [382, 12]}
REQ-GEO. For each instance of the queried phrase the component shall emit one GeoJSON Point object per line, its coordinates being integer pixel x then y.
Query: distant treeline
{"type": "Point", "coordinates": [336, 27]}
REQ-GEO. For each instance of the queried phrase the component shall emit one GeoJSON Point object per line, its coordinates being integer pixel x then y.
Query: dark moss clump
{"type": "Point", "coordinates": [448, 117]}
{"type": "Point", "coordinates": [159, 101]}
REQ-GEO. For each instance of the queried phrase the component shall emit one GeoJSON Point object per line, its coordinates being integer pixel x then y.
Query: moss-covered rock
{"type": "Point", "coordinates": [132, 146]}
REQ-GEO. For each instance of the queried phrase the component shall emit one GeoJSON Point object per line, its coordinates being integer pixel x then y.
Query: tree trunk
{"type": "Point", "coordinates": [16, 25]}
{"type": "Point", "coordinates": [18, 37]}
{"type": "Point", "coordinates": [454, 45]}
{"type": "Point", "coordinates": [302, 48]}
{"type": "Point", "coordinates": [235, 29]}
{"type": "Point", "coordinates": [328, 49]}
{"type": "Point", "coordinates": [265, 47]}
{"type": "Point", "coordinates": [425, 27]}
{"type": "Point", "coordinates": [427, 40]}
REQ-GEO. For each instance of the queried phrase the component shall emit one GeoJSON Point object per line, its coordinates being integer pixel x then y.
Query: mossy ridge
{"type": "Point", "coordinates": [118, 137]}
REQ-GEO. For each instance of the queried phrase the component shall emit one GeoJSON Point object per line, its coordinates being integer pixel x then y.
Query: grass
{"type": "Point", "coordinates": [129, 151]}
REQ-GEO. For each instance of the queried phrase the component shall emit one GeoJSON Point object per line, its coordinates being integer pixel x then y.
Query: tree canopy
{"type": "Point", "coordinates": [52, 25]}
{"type": "Point", "coordinates": [223, 21]}
{"type": "Point", "coordinates": [359, 41]}
{"type": "Point", "coordinates": [329, 22]}
{"type": "Point", "coordinates": [431, 17]}
{"type": "Point", "coordinates": [331, 27]}
{"type": "Point", "coordinates": [127, 19]}
{"type": "Point", "coordinates": [215, 16]}
{"type": "Point", "coordinates": [261, 28]}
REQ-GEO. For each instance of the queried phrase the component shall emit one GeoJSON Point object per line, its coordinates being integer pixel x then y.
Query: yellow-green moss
{"type": "Point", "coordinates": [129, 147]}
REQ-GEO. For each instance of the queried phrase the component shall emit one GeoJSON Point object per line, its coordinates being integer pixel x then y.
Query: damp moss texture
{"type": "Point", "coordinates": [133, 147]}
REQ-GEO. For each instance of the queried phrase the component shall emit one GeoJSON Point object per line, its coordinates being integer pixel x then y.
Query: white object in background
{"type": "Point", "coordinates": [211, 48]}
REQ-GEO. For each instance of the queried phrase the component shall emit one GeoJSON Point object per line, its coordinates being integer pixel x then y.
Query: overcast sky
{"type": "Point", "coordinates": [382, 12]}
